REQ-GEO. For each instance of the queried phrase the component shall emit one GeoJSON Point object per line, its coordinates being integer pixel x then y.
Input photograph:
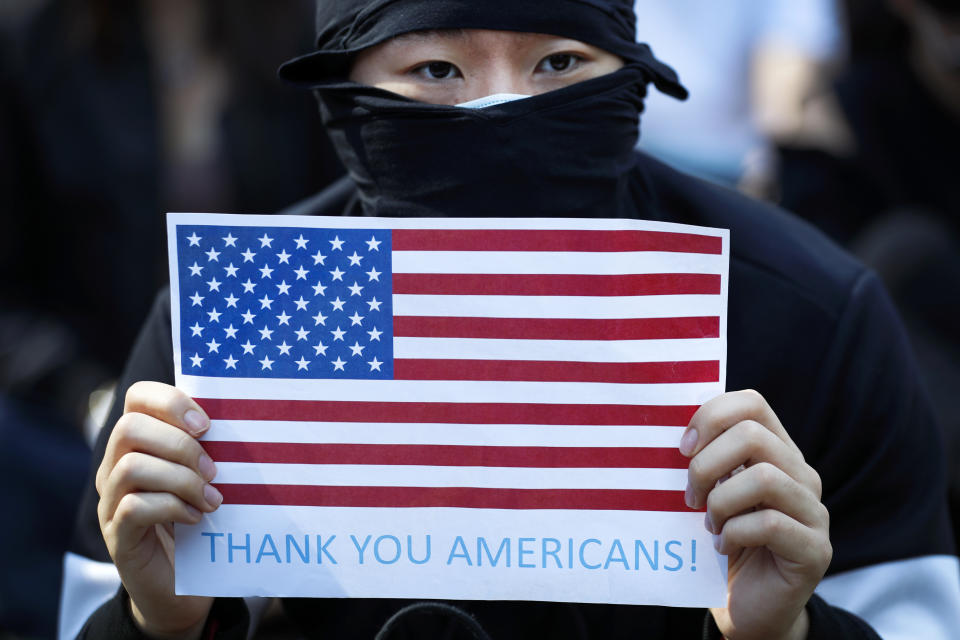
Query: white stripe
{"type": "Point", "coordinates": [556, 262]}
{"type": "Point", "coordinates": [501, 435]}
{"type": "Point", "coordinates": [86, 585]}
{"type": "Point", "coordinates": [425, 476]}
{"type": "Point", "coordinates": [585, 307]}
{"type": "Point", "coordinates": [444, 391]}
{"type": "Point", "coordinates": [903, 599]}
{"type": "Point", "coordinates": [559, 350]}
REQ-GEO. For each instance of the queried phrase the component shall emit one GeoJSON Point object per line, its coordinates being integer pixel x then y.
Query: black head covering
{"type": "Point", "coordinates": [345, 27]}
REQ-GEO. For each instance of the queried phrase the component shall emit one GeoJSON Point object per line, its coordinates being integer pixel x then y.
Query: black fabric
{"type": "Point", "coordinates": [345, 27]}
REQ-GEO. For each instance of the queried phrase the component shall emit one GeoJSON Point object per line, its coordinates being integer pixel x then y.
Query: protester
{"type": "Point", "coordinates": [852, 440]}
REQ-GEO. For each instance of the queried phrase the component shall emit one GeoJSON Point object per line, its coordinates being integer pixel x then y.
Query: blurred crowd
{"type": "Point", "coordinates": [112, 112]}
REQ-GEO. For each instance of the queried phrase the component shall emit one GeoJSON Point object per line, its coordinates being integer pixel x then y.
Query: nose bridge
{"type": "Point", "coordinates": [501, 74]}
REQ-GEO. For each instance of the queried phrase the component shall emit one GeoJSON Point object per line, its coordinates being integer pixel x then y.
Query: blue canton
{"type": "Point", "coordinates": [278, 302]}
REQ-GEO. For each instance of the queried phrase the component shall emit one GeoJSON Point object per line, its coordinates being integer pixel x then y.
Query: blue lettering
{"type": "Point", "coordinates": [360, 549]}
{"type": "Point", "coordinates": [583, 561]}
{"type": "Point", "coordinates": [670, 553]}
{"type": "Point", "coordinates": [621, 556]}
{"type": "Point", "coordinates": [376, 549]}
{"type": "Point", "coordinates": [653, 562]}
{"type": "Point", "coordinates": [483, 548]}
{"type": "Point", "coordinates": [231, 547]}
{"type": "Point", "coordinates": [458, 544]}
{"type": "Point", "coordinates": [322, 549]}
{"type": "Point", "coordinates": [410, 551]}
{"type": "Point", "coordinates": [303, 553]}
{"type": "Point", "coordinates": [213, 539]}
{"type": "Point", "coordinates": [523, 551]}
{"type": "Point", "coordinates": [273, 549]}
{"type": "Point", "coordinates": [550, 552]}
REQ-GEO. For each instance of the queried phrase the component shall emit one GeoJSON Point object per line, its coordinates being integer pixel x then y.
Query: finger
{"type": "Point", "coordinates": [809, 549]}
{"type": "Point", "coordinates": [743, 445]}
{"type": "Point", "coordinates": [168, 404]}
{"type": "Point", "coordinates": [725, 411]}
{"type": "Point", "coordinates": [138, 472]}
{"type": "Point", "coordinates": [138, 511]}
{"type": "Point", "coordinates": [764, 486]}
{"type": "Point", "coordinates": [137, 432]}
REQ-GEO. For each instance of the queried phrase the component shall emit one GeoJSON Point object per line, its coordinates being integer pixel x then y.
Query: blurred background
{"type": "Point", "coordinates": [113, 112]}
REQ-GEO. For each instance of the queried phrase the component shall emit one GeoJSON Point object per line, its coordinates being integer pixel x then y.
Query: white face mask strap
{"type": "Point", "coordinates": [492, 100]}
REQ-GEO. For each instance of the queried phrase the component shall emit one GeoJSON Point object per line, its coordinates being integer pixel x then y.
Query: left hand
{"type": "Point", "coordinates": [763, 505]}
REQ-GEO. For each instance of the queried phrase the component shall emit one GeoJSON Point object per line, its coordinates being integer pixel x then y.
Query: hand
{"type": "Point", "coordinates": [155, 473]}
{"type": "Point", "coordinates": [763, 505]}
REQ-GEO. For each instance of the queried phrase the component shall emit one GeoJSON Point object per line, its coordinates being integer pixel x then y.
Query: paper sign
{"type": "Point", "coordinates": [484, 409]}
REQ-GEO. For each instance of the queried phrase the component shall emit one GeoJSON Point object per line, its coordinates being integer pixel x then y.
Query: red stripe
{"type": "Point", "coordinates": [449, 412]}
{"type": "Point", "coordinates": [550, 371]}
{"type": "Point", "coordinates": [545, 240]}
{"type": "Point", "coordinates": [448, 455]}
{"type": "Point", "coordinates": [556, 328]}
{"type": "Point", "coordinates": [465, 497]}
{"type": "Point", "coordinates": [650, 284]}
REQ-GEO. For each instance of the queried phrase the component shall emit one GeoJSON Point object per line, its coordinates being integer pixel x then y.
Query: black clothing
{"type": "Point", "coordinates": [346, 27]}
{"type": "Point", "coordinates": [812, 331]}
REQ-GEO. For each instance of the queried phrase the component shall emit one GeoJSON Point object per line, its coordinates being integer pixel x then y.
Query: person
{"type": "Point", "coordinates": [837, 462]}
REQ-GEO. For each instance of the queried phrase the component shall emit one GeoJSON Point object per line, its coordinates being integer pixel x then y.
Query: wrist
{"type": "Point", "coordinates": [192, 632]}
{"type": "Point", "coordinates": [800, 628]}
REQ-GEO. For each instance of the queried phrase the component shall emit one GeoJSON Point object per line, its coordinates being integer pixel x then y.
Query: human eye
{"type": "Point", "coordinates": [560, 63]}
{"type": "Point", "coordinates": [437, 70]}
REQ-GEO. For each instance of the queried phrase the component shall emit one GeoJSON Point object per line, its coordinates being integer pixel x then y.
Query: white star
{"type": "Point", "coordinates": [375, 335]}
{"type": "Point", "coordinates": [284, 348]}
{"type": "Point", "coordinates": [337, 243]}
{"type": "Point", "coordinates": [302, 333]}
{"type": "Point", "coordinates": [248, 347]}
{"type": "Point", "coordinates": [197, 299]}
{"type": "Point", "coordinates": [196, 359]}
{"type": "Point", "coordinates": [265, 271]}
{"type": "Point", "coordinates": [355, 259]}
{"type": "Point", "coordinates": [195, 269]}
{"type": "Point", "coordinates": [301, 242]}
{"type": "Point", "coordinates": [248, 286]}
{"type": "Point", "coordinates": [301, 273]}
{"type": "Point", "coordinates": [338, 304]}
{"type": "Point", "coordinates": [319, 289]}
{"type": "Point", "coordinates": [265, 363]}
{"type": "Point", "coordinates": [231, 362]}
{"type": "Point", "coordinates": [357, 349]}
{"type": "Point", "coordinates": [338, 334]}
{"type": "Point", "coordinates": [373, 244]}
{"type": "Point", "coordinates": [247, 317]}
{"type": "Point", "coordinates": [301, 304]}
{"type": "Point", "coordinates": [356, 320]}
{"type": "Point", "coordinates": [338, 364]}
{"type": "Point", "coordinates": [265, 241]}
{"type": "Point", "coordinates": [229, 240]}
{"type": "Point", "coordinates": [197, 329]}
{"type": "Point", "coordinates": [194, 239]}
{"type": "Point", "coordinates": [374, 275]}
{"type": "Point", "coordinates": [265, 333]}
{"type": "Point", "coordinates": [214, 284]}
{"type": "Point", "coordinates": [283, 318]}
{"type": "Point", "coordinates": [214, 315]}
{"type": "Point", "coordinates": [231, 301]}
{"type": "Point", "coordinates": [302, 363]}
{"type": "Point", "coordinates": [355, 289]}
{"type": "Point", "coordinates": [231, 271]}
{"type": "Point", "coordinates": [231, 332]}
{"type": "Point", "coordinates": [284, 256]}
{"type": "Point", "coordinates": [374, 304]}
{"type": "Point", "coordinates": [284, 288]}
{"type": "Point", "coordinates": [265, 302]}
{"type": "Point", "coordinates": [320, 349]}
{"type": "Point", "coordinates": [318, 258]}
{"type": "Point", "coordinates": [214, 345]}
{"type": "Point", "coordinates": [374, 364]}
{"type": "Point", "coordinates": [319, 319]}
{"type": "Point", "coordinates": [337, 274]}
{"type": "Point", "coordinates": [213, 255]}
{"type": "Point", "coordinates": [248, 255]}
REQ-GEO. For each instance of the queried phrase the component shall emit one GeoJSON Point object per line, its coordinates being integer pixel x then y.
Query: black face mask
{"type": "Point", "coordinates": [565, 153]}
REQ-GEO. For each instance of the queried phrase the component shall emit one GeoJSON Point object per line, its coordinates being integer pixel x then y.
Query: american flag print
{"type": "Point", "coordinates": [511, 368]}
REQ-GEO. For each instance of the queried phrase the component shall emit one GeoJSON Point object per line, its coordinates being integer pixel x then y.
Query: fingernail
{"type": "Point", "coordinates": [212, 496]}
{"type": "Point", "coordinates": [716, 542]}
{"type": "Point", "coordinates": [196, 422]}
{"type": "Point", "coordinates": [207, 469]}
{"type": "Point", "coordinates": [708, 523]}
{"type": "Point", "coordinates": [193, 512]}
{"type": "Point", "coordinates": [688, 442]}
{"type": "Point", "coordinates": [689, 497]}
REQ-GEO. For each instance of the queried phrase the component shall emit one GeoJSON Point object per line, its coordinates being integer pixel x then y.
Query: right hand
{"type": "Point", "coordinates": [155, 473]}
